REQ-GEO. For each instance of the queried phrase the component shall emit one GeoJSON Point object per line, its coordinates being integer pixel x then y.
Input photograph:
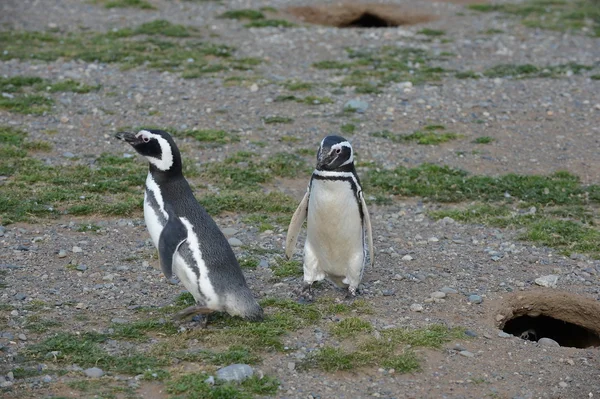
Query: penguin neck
{"type": "Point", "coordinates": [349, 168]}
{"type": "Point", "coordinates": [163, 176]}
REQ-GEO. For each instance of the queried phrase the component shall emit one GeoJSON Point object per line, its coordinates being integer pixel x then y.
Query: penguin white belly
{"type": "Point", "coordinates": [154, 212]}
{"type": "Point", "coordinates": [334, 229]}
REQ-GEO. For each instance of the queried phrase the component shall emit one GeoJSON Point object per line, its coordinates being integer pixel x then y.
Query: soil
{"type": "Point", "coordinates": [539, 126]}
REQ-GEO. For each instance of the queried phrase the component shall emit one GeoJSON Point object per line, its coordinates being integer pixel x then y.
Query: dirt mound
{"type": "Point", "coordinates": [356, 15]}
{"type": "Point", "coordinates": [569, 319]}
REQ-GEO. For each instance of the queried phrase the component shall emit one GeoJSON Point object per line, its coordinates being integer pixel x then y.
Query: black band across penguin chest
{"type": "Point", "coordinates": [349, 178]}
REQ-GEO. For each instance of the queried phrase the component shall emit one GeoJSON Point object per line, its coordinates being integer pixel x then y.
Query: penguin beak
{"type": "Point", "coordinates": [323, 159]}
{"type": "Point", "coordinates": [128, 137]}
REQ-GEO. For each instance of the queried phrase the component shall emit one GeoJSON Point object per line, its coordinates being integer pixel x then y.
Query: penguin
{"type": "Point", "coordinates": [337, 220]}
{"type": "Point", "coordinates": [189, 242]}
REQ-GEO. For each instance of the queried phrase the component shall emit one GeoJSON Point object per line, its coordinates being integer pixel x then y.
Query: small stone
{"type": "Point", "coordinates": [563, 384]}
{"type": "Point", "coordinates": [19, 296]}
{"type": "Point", "coordinates": [548, 342]}
{"type": "Point", "coordinates": [235, 372]}
{"type": "Point", "coordinates": [93, 372]}
{"type": "Point", "coordinates": [499, 317]}
{"type": "Point", "coordinates": [6, 384]}
{"type": "Point", "coordinates": [475, 299]}
{"type": "Point", "coordinates": [416, 307]}
{"type": "Point", "coordinates": [502, 334]}
{"type": "Point", "coordinates": [254, 88]}
{"type": "Point", "coordinates": [291, 366]}
{"type": "Point", "coordinates": [77, 249]}
{"type": "Point", "coordinates": [433, 239]}
{"type": "Point", "coordinates": [2, 231]}
{"type": "Point", "coordinates": [407, 257]}
{"type": "Point", "coordinates": [10, 375]}
{"type": "Point", "coordinates": [210, 380]}
{"type": "Point", "coordinates": [234, 242]}
{"type": "Point", "coordinates": [263, 263]}
{"type": "Point", "coordinates": [22, 337]}
{"type": "Point", "coordinates": [438, 295]}
{"type": "Point", "coordinates": [68, 154]}
{"type": "Point", "coordinates": [448, 290]}
{"type": "Point", "coordinates": [466, 354]}
{"type": "Point", "coordinates": [118, 320]}
{"type": "Point", "coordinates": [46, 379]}
{"type": "Point", "coordinates": [470, 333]}
{"type": "Point", "coordinates": [81, 268]}
{"type": "Point", "coordinates": [549, 281]}
{"type": "Point", "coordinates": [229, 231]}
{"type": "Point", "coordinates": [358, 105]}
{"type": "Point", "coordinates": [62, 253]}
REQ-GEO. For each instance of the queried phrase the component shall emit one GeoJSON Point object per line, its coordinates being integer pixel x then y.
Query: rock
{"type": "Point", "coordinates": [357, 104]}
{"type": "Point", "coordinates": [77, 249]}
{"type": "Point", "coordinates": [229, 231]}
{"type": "Point", "coordinates": [547, 281]}
{"type": "Point", "coordinates": [433, 239]}
{"type": "Point", "coordinates": [407, 257]}
{"type": "Point", "coordinates": [291, 366]}
{"type": "Point", "coordinates": [62, 253]}
{"type": "Point", "coordinates": [438, 295]}
{"type": "Point", "coordinates": [563, 384]}
{"type": "Point", "coordinates": [210, 380]}
{"type": "Point", "coordinates": [416, 307]}
{"type": "Point", "coordinates": [254, 88]}
{"type": "Point", "coordinates": [466, 354]}
{"type": "Point", "coordinates": [19, 296]}
{"type": "Point", "coordinates": [502, 334]}
{"type": "Point", "coordinates": [68, 154]}
{"type": "Point", "coordinates": [81, 268]}
{"type": "Point", "coordinates": [235, 372]}
{"type": "Point", "coordinates": [475, 298]}
{"type": "Point", "coordinates": [548, 342]}
{"type": "Point", "coordinates": [470, 333]}
{"type": "Point", "coordinates": [118, 320]}
{"type": "Point", "coordinates": [93, 372]}
{"type": "Point", "coordinates": [22, 337]}
{"type": "Point", "coordinates": [263, 263]}
{"type": "Point", "coordinates": [6, 384]}
{"type": "Point", "coordinates": [2, 231]}
{"type": "Point", "coordinates": [499, 317]}
{"type": "Point", "coordinates": [234, 242]}
{"type": "Point", "coordinates": [46, 379]}
{"type": "Point", "coordinates": [448, 290]}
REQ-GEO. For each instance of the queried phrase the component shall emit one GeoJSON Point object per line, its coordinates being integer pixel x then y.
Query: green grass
{"type": "Point", "coordinates": [100, 389]}
{"type": "Point", "coordinates": [194, 386]}
{"type": "Point", "coordinates": [27, 104]}
{"type": "Point", "coordinates": [269, 120]}
{"type": "Point", "coordinates": [287, 268]}
{"type": "Point", "coordinates": [483, 140]}
{"type": "Point", "coordinates": [211, 136]}
{"type": "Point", "coordinates": [579, 16]}
{"type": "Point", "coordinates": [138, 329]}
{"type": "Point", "coordinates": [532, 71]}
{"type": "Point", "coordinates": [165, 47]}
{"type": "Point", "coordinates": [247, 14]}
{"type": "Point", "coordinates": [429, 136]}
{"type": "Point", "coordinates": [39, 325]}
{"type": "Point", "coordinates": [248, 202]}
{"type": "Point", "coordinates": [467, 75]}
{"type": "Point", "coordinates": [388, 351]}
{"type": "Point", "coordinates": [297, 86]}
{"type": "Point", "coordinates": [270, 23]}
{"type": "Point", "coordinates": [348, 128]}
{"type": "Point", "coordinates": [350, 327]}
{"type": "Point", "coordinates": [36, 190]}
{"type": "Point", "coordinates": [595, 77]}
{"type": "Point", "coordinates": [431, 32]}
{"type": "Point", "coordinates": [141, 4]}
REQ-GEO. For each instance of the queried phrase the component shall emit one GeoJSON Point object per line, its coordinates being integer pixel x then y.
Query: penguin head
{"type": "Point", "coordinates": [157, 146]}
{"type": "Point", "coordinates": [334, 153]}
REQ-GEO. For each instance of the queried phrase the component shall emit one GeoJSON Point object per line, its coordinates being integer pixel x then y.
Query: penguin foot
{"type": "Point", "coordinates": [305, 293]}
{"type": "Point", "coordinates": [351, 294]}
{"type": "Point", "coordinates": [192, 311]}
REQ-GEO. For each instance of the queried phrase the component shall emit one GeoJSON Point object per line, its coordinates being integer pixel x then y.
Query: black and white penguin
{"type": "Point", "coordinates": [188, 240]}
{"type": "Point", "coordinates": [338, 223]}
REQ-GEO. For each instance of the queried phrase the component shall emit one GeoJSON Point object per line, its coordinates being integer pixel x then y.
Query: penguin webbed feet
{"type": "Point", "coordinates": [195, 313]}
{"type": "Point", "coordinates": [351, 294]}
{"type": "Point", "coordinates": [305, 293]}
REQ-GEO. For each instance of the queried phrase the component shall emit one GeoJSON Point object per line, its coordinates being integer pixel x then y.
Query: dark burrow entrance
{"type": "Point", "coordinates": [566, 334]}
{"type": "Point", "coordinates": [357, 15]}
{"type": "Point", "coordinates": [570, 320]}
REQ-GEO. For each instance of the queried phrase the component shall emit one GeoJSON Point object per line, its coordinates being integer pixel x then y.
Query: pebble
{"type": "Point", "coordinates": [549, 281]}
{"type": "Point", "coordinates": [475, 299]}
{"type": "Point", "coordinates": [438, 295]}
{"type": "Point", "coordinates": [291, 366]}
{"type": "Point", "coordinates": [93, 372]}
{"type": "Point", "coordinates": [210, 380]}
{"type": "Point", "coordinates": [22, 337]}
{"type": "Point", "coordinates": [19, 296]}
{"type": "Point", "coordinates": [407, 257]}
{"type": "Point", "coordinates": [357, 104]}
{"type": "Point", "coordinates": [77, 249]}
{"type": "Point", "coordinates": [118, 320]}
{"type": "Point", "coordinates": [466, 354]}
{"type": "Point", "coordinates": [263, 263]}
{"type": "Point", "coordinates": [563, 384]}
{"type": "Point", "coordinates": [62, 253]}
{"type": "Point", "coordinates": [448, 290]}
{"type": "Point", "coordinates": [68, 154]}
{"type": "Point", "coordinates": [46, 379]}
{"type": "Point", "coordinates": [502, 334]}
{"type": "Point", "coordinates": [548, 342]}
{"type": "Point", "coordinates": [229, 231]}
{"type": "Point", "coordinates": [470, 333]}
{"type": "Point", "coordinates": [234, 242]}
{"type": "Point", "coordinates": [2, 231]}
{"type": "Point", "coordinates": [235, 372]}
{"type": "Point", "coordinates": [416, 307]}
{"type": "Point", "coordinates": [81, 268]}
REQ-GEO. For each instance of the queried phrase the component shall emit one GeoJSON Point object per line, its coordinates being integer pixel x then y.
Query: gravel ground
{"type": "Point", "coordinates": [539, 126]}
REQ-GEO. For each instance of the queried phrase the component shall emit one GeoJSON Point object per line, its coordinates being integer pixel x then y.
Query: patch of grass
{"type": "Point", "coordinates": [493, 31]}
{"type": "Point", "coordinates": [248, 202]}
{"type": "Point", "coordinates": [297, 86]}
{"type": "Point", "coordinates": [331, 65]}
{"type": "Point", "coordinates": [533, 71]}
{"type": "Point", "coordinates": [595, 77]}
{"type": "Point", "coordinates": [37, 145]}
{"type": "Point", "coordinates": [287, 268]}
{"type": "Point", "coordinates": [194, 385]}
{"type": "Point", "coordinates": [184, 300]}
{"type": "Point", "coordinates": [483, 140]}
{"type": "Point", "coordinates": [72, 86]}
{"type": "Point", "coordinates": [138, 329]}
{"type": "Point", "coordinates": [444, 184]}
{"type": "Point", "coordinates": [234, 354]}
{"type": "Point", "coordinates": [21, 372]}
{"type": "Point", "coordinates": [467, 75]}
{"type": "Point", "coordinates": [166, 47]}
{"type": "Point", "coordinates": [213, 136]}
{"type": "Point", "coordinates": [141, 4]}
{"type": "Point", "coordinates": [38, 325]}
{"type": "Point", "coordinates": [406, 362]}
{"type": "Point", "coordinates": [431, 32]}
{"type": "Point", "coordinates": [277, 119]}
{"type": "Point", "coordinates": [582, 16]}
{"type": "Point", "coordinates": [429, 136]}
{"type": "Point", "coordinates": [270, 23]}
{"type": "Point", "coordinates": [27, 104]}
{"type": "Point", "coordinates": [348, 128]}
{"type": "Point", "coordinates": [312, 100]}
{"type": "Point", "coordinates": [11, 136]}
{"type": "Point", "coordinates": [565, 235]}
{"type": "Point", "coordinates": [248, 14]}
{"type": "Point", "coordinates": [332, 359]}
{"type": "Point", "coordinates": [351, 326]}
{"type": "Point", "coordinates": [249, 263]}
{"type": "Point", "coordinates": [330, 306]}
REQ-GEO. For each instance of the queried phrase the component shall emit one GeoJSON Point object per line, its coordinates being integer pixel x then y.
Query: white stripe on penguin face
{"type": "Point", "coordinates": [166, 160]}
{"type": "Point", "coordinates": [347, 145]}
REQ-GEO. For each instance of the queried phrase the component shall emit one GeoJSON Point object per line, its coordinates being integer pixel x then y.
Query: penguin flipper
{"type": "Point", "coordinates": [367, 227]}
{"type": "Point", "coordinates": [172, 236]}
{"type": "Point", "coordinates": [295, 226]}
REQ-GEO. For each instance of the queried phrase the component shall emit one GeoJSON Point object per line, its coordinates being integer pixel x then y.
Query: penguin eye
{"type": "Point", "coordinates": [145, 139]}
{"type": "Point", "coordinates": [339, 150]}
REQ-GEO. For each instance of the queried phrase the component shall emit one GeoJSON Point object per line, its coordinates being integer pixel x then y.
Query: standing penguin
{"type": "Point", "coordinates": [338, 223]}
{"type": "Point", "coordinates": [188, 240]}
